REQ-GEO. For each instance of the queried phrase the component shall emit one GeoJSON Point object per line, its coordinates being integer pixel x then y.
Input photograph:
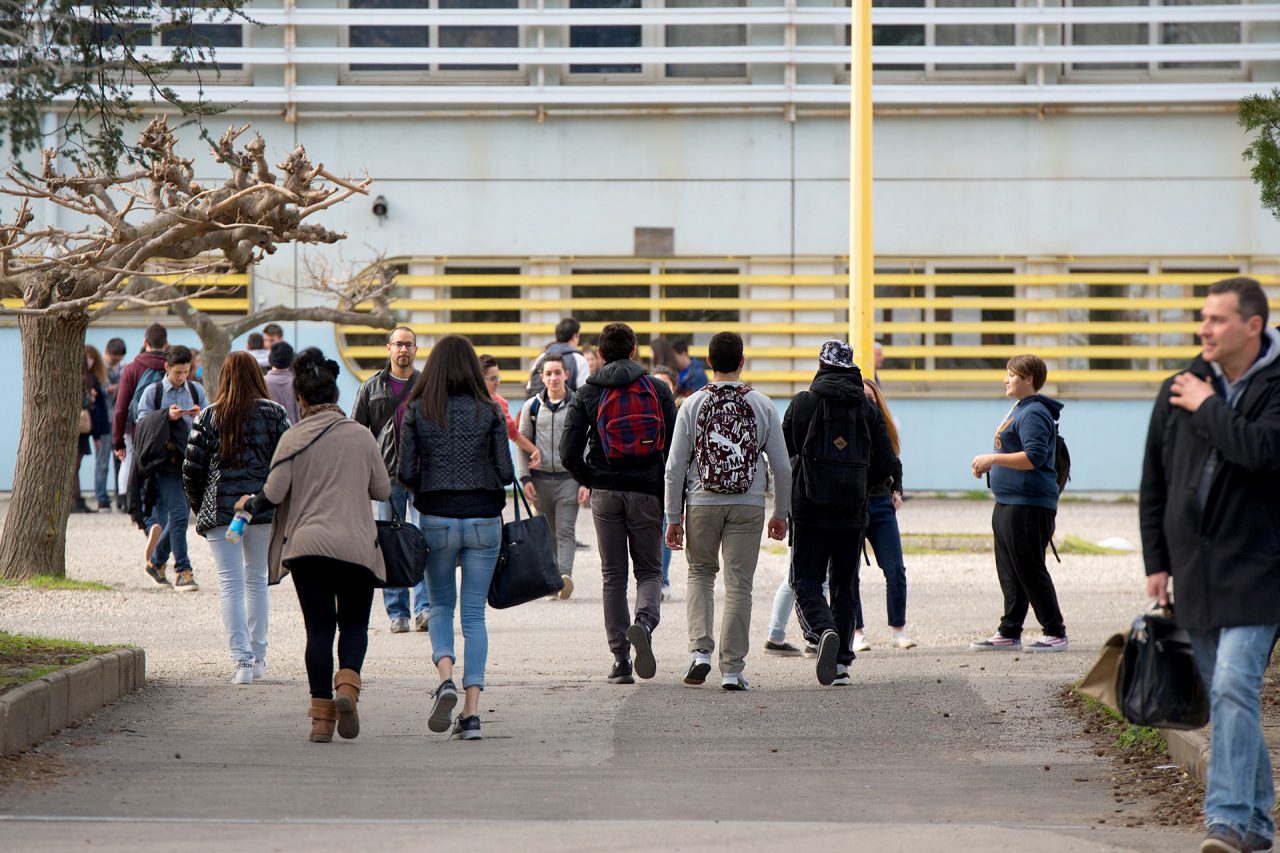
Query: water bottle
{"type": "Point", "coordinates": [236, 529]}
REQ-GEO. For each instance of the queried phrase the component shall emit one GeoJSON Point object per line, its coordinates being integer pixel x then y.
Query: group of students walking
{"type": "Point", "coordinates": [278, 493]}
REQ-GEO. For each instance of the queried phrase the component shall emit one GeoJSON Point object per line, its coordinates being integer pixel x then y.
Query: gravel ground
{"type": "Point", "coordinates": [952, 598]}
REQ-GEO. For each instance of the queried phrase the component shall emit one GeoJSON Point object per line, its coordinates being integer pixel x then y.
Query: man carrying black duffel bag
{"type": "Point", "coordinates": [1210, 516]}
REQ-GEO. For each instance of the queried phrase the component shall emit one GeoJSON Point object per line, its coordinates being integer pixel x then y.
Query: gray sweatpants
{"type": "Point", "coordinates": [558, 501]}
{"type": "Point", "coordinates": [628, 521]}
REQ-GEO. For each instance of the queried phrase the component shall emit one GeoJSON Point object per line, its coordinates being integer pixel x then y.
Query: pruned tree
{"type": "Point", "coordinates": [1261, 114]}
{"type": "Point", "coordinates": [154, 214]}
{"type": "Point", "coordinates": [361, 299]}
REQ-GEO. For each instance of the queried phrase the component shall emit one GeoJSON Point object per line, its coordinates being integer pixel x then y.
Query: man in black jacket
{"type": "Point", "coordinates": [832, 432]}
{"type": "Point", "coordinates": [379, 405]}
{"type": "Point", "coordinates": [625, 471]}
{"type": "Point", "coordinates": [1210, 517]}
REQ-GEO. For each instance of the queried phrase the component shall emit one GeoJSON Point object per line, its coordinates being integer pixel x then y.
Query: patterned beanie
{"type": "Point", "coordinates": [836, 354]}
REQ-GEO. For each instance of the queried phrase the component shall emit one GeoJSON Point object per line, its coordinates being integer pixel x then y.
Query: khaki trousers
{"type": "Point", "coordinates": [734, 530]}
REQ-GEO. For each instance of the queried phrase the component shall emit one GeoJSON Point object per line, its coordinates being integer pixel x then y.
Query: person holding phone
{"type": "Point", "coordinates": [183, 399]}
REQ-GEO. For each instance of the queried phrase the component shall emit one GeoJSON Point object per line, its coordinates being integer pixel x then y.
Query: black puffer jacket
{"type": "Point", "coordinates": [214, 486]}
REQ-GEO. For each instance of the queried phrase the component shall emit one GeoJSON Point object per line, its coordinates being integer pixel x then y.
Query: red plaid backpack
{"type": "Point", "coordinates": [725, 442]}
{"type": "Point", "coordinates": [629, 421]}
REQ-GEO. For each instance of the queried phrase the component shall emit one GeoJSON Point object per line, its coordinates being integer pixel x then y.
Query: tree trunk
{"type": "Point", "coordinates": [215, 346]}
{"type": "Point", "coordinates": [35, 530]}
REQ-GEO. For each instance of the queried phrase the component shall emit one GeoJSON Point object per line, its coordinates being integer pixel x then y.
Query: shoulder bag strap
{"type": "Point", "coordinates": [305, 447]}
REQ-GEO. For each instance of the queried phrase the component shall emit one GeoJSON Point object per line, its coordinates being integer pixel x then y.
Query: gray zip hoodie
{"type": "Point", "coordinates": [546, 434]}
{"type": "Point", "coordinates": [682, 483]}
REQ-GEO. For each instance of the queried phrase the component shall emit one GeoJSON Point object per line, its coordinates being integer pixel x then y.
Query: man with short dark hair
{"type": "Point", "coordinates": [380, 405]}
{"type": "Point", "coordinates": [279, 379]}
{"type": "Point", "coordinates": [716, 480]}
{"type": "Point", "coordinates": [567, 343]}
{"type": "Point", "coordinates": [616, 439]}
{"type": "Point", "coordinates": [1208, 514]}
{"type": "Point", "coordinates": [693, 376]}
{"type": "Point", "coordinates": [181, 399]}
{"type": "Point", "coordinates": [272, 334]}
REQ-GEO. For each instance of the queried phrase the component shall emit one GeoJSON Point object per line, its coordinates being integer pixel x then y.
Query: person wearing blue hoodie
{"type": "Point", "coordinates": [1024, 479]}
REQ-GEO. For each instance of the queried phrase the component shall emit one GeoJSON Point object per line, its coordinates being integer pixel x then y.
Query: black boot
{"type": "Point", "coordinates": [80, 505]}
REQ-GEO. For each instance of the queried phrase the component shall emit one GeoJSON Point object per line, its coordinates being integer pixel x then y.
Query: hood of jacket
{"type": "Point", "coordinates": [150, 360]}
{"type": "Point", "coordinates": [617, 374]}
{"type": "Point", "coordinates": [1212, 371]}
{"type": "Point", "coordinates": [1054, 406]}
{"type": "Point", "coordinates": [838, 384]}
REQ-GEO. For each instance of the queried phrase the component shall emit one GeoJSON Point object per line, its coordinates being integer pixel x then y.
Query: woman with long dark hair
{"type": "Point", "coordinates": [455, 459]}
{"type": "Point", "coordinates": [228, 455]}
{"type": "Point", "coordinates": [325, 471]}
{"type": "Point", "coordinates": [885, 539]}
{"type": "Point", "coordinates": [97, 442]}
{"type": "Point", "coordinates": [664, 355]}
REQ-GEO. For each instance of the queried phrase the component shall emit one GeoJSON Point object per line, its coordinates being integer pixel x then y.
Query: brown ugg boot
{"type": "Point", "coordinates": [346, 688]}
{"type": "Point", "coordinates": [323, 712]}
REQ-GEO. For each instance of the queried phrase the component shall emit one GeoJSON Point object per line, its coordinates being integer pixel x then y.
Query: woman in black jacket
{"type": "Point", "coordinates": [228, 455]}
{"type": "Point", "coordinates": [455, 459]}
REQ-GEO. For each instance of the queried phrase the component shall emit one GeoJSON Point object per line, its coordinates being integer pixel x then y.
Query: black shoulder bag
{"type": "Point", "coordinates": [526, 568]}
{"type": "Point", "coordinates": [1159, 684]}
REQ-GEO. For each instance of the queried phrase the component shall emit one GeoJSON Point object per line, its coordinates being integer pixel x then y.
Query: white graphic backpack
{"type": "Point", "coordinates": [725, 443]}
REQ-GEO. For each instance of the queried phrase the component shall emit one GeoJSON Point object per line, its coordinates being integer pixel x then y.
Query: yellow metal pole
{"type": "Point", "coordinates": [861, 248]}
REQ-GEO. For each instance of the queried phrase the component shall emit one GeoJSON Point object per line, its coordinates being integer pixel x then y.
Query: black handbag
{"type": "Point", "coordinates": [526, 568]}
{"type": "Point", "coordinates": [404, 552]}
{"type": "Point", "coordinates": [1159, 682]}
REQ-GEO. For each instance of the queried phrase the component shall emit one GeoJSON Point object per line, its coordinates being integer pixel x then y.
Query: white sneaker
{"type": "Point", "coordinates": [244, 674]}
{"type": "Point", "coordinates": [842, 676]}
{"type": "Point", "coordinates": [259, 669]}
{"type": "Point", "coordinates": [666, 592]}
{"type": "Point", "coordinates": [734, 681]}
{"type": "Point", "coordinates": [902, 641]}
{"type": "Point", "coordinates": [860, 643]}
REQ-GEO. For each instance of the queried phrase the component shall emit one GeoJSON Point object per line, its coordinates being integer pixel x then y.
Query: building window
{"type": "Point", "coordinates": [593, 319]}
{"type": "Point", "coordinates": [940, 35]}
{"type": "Point", "coordinates": [702, 293]}
{"type": "Point", "coordinates": [505, 309]}
{"type": "Point", "coordinates": [709, 35]}
{"type": "Point", "coordinates": [198, 36]}
{"type": "Point", "coordinates": [424, 37]}
{"type": "Point", "coordinates": [974, 337]}
{"type": "Point", "coordinates": [594, 36]}
{"type": "Point", "coordinates": [1142, 33]}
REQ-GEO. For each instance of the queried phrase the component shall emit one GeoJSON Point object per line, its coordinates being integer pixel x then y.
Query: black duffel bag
{"type": "Point", "coordinates": [404, 552]}
{"type": "Point", "coordinates": [1159, 682]}
{"type": "Point", "coordinates": [527, 568]}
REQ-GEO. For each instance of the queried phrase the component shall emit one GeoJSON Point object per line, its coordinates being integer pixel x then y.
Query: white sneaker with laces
{"type": "Point", "coordinates": [259, 669]}
{"type": "Point", "coordinates": [1048, 644]}
{"type": "Point", "coordinates": [902, 641]}
{"type": "Point", "coordinates": [244, 674]}
{"type": "Point", "coordinates": [734, 681]}
{"type": "Point", "coordinates": [860, 643]}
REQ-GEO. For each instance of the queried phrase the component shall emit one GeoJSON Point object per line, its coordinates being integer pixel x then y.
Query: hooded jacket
{"type": "Point", "coordinates": [542, 422]}
{"type": "Point", "coordinates": [580, 449]}
{"type": "Point", "coordinates": [1209, 510]}
{"type": "Point", "coordinates": [212, 485]}
{"type": "Point", "coordinates": [840, 387]}
{"type": "Point", "coordinates": [133, 371]}
{"type": "Point", "coordinates": [1030, 426]}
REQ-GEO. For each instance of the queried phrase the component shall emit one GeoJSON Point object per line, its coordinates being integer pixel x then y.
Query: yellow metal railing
{"type": "Point", "coordinates": [219, 304]}
{"type": "Point", "coordinates": [941, 330]}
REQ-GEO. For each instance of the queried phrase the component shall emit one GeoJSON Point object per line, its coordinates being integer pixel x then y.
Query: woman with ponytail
{"type": "Point", "coordinates": [326, 470]}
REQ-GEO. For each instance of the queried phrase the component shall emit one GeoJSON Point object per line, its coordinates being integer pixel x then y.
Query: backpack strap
{"type": "Point", "coordinates": [535, 405]}
{"type": "Point", "coordinates": [158, 393]}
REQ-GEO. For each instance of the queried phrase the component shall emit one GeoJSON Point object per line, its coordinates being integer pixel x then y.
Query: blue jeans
{"type": "Point", "coordinates": [784, 604]}
{"type": "Point", "coordinates": [886, 542]}
{"type": "Point", "coordinates": [102, 468]}
{"type": "Point", "coordinates": [397, 600]}
{"type": "Point", "coordinates": [242, 589]}
{"type": "Point", "coordinates": [475, 543]}
{"type": "Point", "coordinates": [1231, 661]}
{"type": "Point", "coordinates": [666, 562]}
{"type": "Point", "coordinates": [172, 511]}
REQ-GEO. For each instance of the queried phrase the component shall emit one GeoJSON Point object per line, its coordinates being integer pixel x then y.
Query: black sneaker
{"type": "Point", "coordinates": [699, 668]}
{"type": "Point", "coordinates": [621, 673]}
{"type": "Point", "coordinates": [1256, 843]}
{"type": "Point", "coordinates": [442, 710]}
{"type": "Point", "coordinates": [639, 638]}
{"type": "Point", "coordinates": [156, 573]}
{"type": "Point", "coordinates": [467, 728]}
{"type": "Point", "coordinates": [828, 650]}
{"type": "Point", "coordinates": [1222, 839]}
{"type": "Point", "coordinates": [782, 650]}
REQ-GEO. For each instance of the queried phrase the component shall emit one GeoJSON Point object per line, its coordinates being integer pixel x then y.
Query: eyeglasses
{"type": "Point", "coordinates": [402, 344]}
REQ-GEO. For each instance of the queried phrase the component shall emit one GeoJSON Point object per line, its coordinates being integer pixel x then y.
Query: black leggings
{"type": "Point", "coordinates": [335, 598]}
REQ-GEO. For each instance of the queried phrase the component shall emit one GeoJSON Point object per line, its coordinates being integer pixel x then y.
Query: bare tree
{"type": "Point", "coordinates": [344, 298]}
{"type": "Point", "coordinates": [155, 213]}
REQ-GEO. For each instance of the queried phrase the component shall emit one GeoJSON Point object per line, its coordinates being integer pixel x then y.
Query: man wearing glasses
{"type": "Point", "coordinates": [380, 405]}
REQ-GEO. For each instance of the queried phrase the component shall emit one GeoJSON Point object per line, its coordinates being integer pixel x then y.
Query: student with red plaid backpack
{"type": "Point", "coordinates": [616, 438]}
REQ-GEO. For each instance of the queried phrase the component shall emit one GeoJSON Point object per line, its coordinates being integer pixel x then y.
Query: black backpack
{"type": "Point", "coordinates": [1061, 459]}
{"type": "Point", "coordinates": [836, 456]}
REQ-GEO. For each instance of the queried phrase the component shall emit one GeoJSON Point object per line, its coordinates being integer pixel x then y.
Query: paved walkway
{"type": "Point", "coordinates": [933, 748]}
